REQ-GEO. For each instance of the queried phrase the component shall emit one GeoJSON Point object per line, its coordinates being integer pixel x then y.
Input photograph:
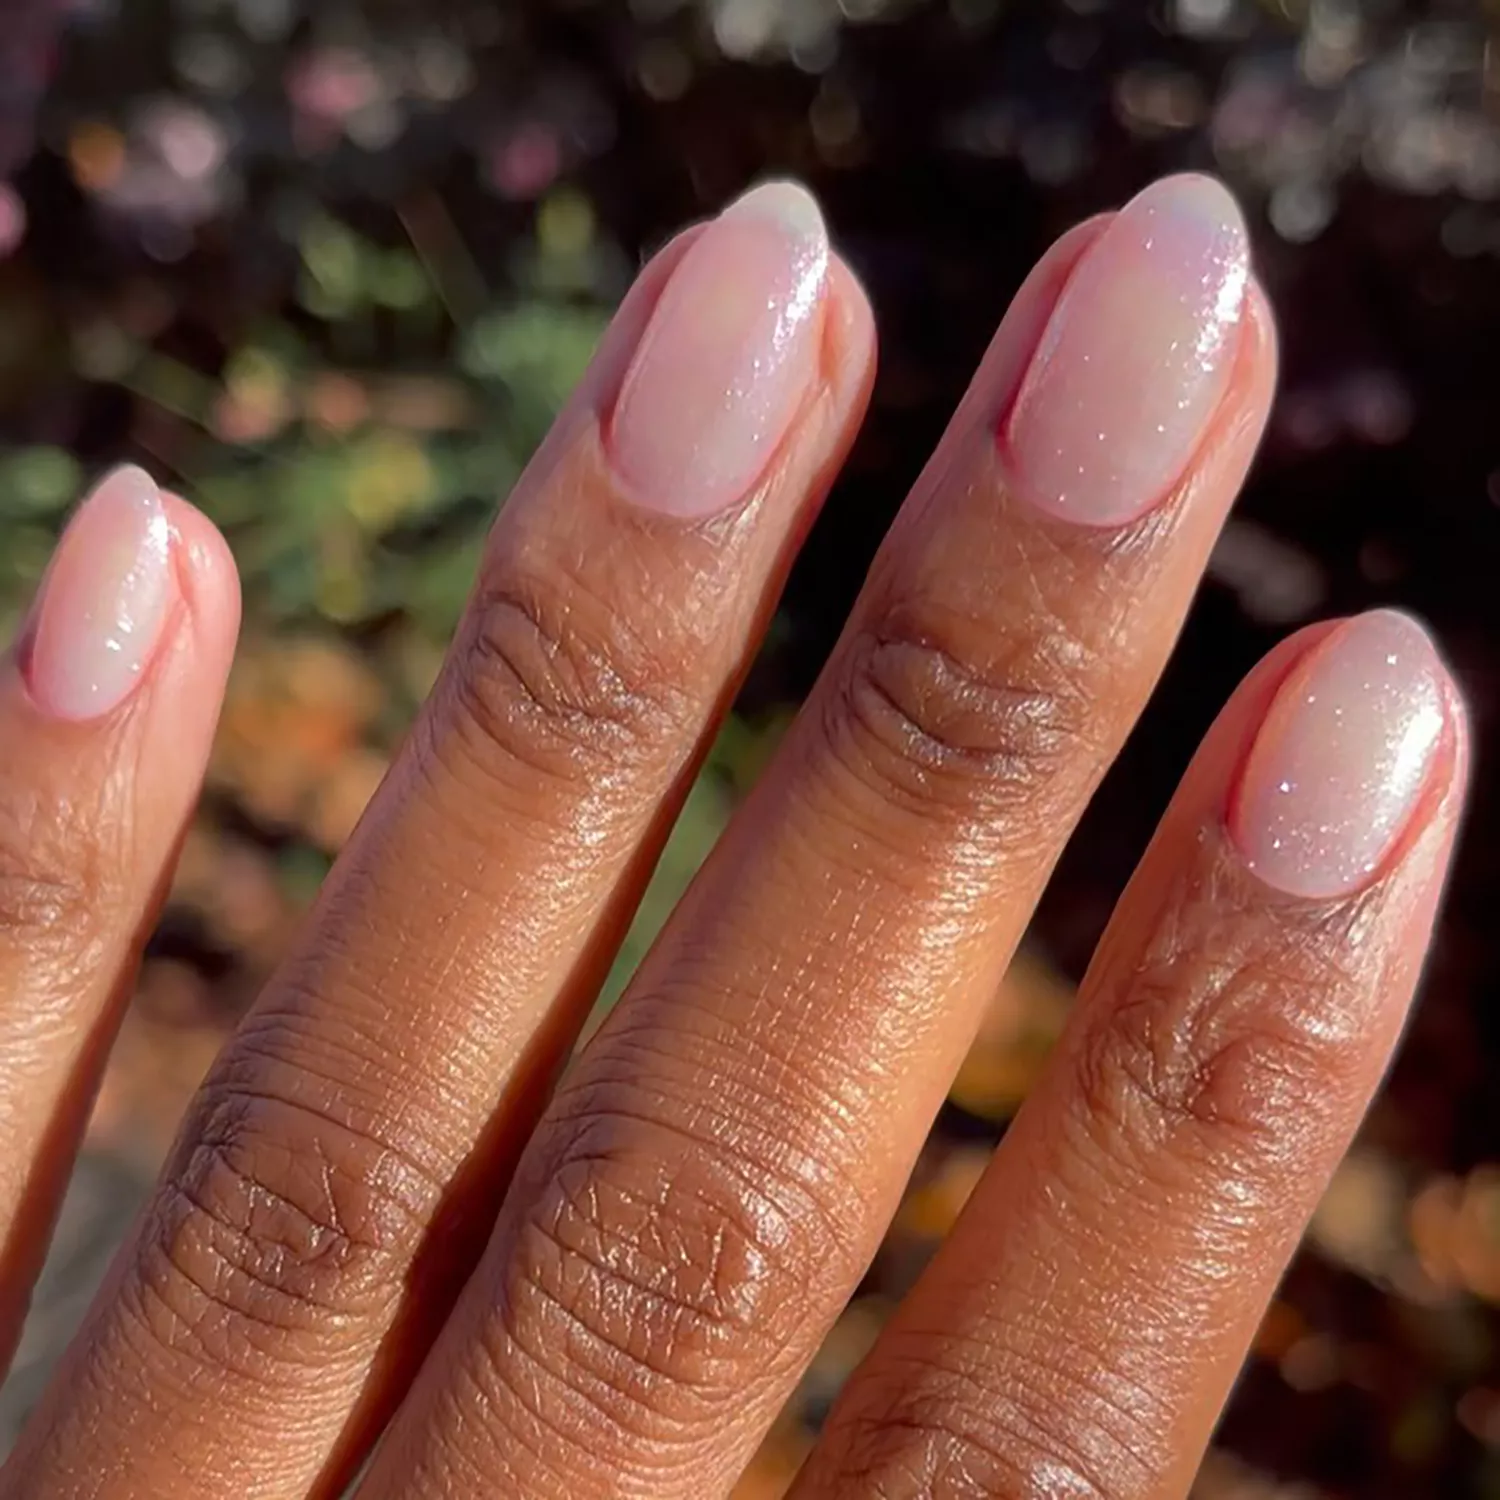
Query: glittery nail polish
{"type": "Point", "coordinates": [104, 600]}
{"type": "Point", "coordinates": [726, 359]}
{"type": "Point", "coordinates": [1343, 758]}
{"type": "Point", "coordinates": [1135, 359]}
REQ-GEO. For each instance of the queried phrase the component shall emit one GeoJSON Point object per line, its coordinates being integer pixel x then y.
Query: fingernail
{"type": "Point", "coordinates": [103, 601]}
{"type": "Point", "coordinates": [1343, 758]}
{"type": "Point", "coordinates": [1135, 358]}
{"type": "Point", "coordinates": [727, 357]}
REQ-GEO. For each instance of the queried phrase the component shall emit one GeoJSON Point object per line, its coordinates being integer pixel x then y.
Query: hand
{"type": "Point", "coordinates": [382, 1215]}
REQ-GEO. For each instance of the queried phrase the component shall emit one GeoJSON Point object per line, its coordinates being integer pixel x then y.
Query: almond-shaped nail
{"type": "Point", "coordinates": [104, 600]}
{"type": "Point", "coordinates": [1343, 758]}
{"type": "Point", "coordinates": [727, 357]}
{"type": "Point", "coordinates": [1135, 359]}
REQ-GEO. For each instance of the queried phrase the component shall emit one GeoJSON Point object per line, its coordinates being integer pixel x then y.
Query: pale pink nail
{"type": "Point", "coordinates": [1343, 758]}
{"type": "Point", "coordinates": [727, 358]}
{"type": "Point", "coordinates": [103, 601]}
{"type": "Point", "coordinates": [1135, 358]}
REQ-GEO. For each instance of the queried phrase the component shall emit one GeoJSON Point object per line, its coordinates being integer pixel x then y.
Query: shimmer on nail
{"type": "Point", "coordinates": [1343, 758]}
{"type": "Point", "coordinates": [1136, 357]}
{"type": "Point", "coordinates": [104, 600]}
{"type": "Point", "coordinates": [727, 359]}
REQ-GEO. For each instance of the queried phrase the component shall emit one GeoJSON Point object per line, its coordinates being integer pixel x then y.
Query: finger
{"type": "Point", "coordinates": [1079, 1331]}
{"type": "Point", "coordinates": [107, 709]}
{"type": "Point", "coordinates": [716, 1171]}
{"type": "Point", "coordinates": [340, 1170]}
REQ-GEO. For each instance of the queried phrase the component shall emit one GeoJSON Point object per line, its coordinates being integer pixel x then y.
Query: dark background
{"type": "Point", "coordinates": [331, 267]}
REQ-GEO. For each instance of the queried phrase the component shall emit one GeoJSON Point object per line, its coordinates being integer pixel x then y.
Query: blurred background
{"type": "Point", "coordinates": [331, 267]}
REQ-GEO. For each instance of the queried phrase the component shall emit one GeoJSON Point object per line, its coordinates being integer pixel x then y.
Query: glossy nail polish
{"type": "Point", "coordinates": [1343, 758]}
{"type": "Point", "coordinates": [104, 600]}
{"type": "Point", "coordinates": [1135, 359]}
{"type": "Point", "coordinates": [726, 359]}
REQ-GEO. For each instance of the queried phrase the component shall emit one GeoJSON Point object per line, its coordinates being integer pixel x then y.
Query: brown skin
{"type": "Point", "coordinates": [714, 1175]}
{"type": "Point", "coordinates": [1079, 1331]}
{"type": "Point", "coordinates": [337, 1176]}
{"type": "Point", "coordinates": [90, 822]}
{"type": "Point", "coordinates": [676, 1228]}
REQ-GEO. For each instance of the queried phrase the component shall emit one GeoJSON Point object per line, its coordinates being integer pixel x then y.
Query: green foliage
{"type": "Point", "coordinates": [352, 491]}
{"type": "Point", "coordinates": [539, 349]}
{"type": "Point", "coordinates": [38, 483]}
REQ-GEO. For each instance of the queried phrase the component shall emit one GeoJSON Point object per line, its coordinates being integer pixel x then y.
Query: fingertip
{"type": "Point", "coordinates": [206, 572]}
{"type": "Point", "coordinates": [1461, 726]}
{"type": "Point", "coordinates": [851, 340]}
{"type": "Point", "coordinates": [1241, 417]}
{"type": "Point", "coordinates": [1442, 806]}
{"type": "Point", "coordinates": [1253, 386]}
{"type": "Point", "coordinates": [1264, 335]}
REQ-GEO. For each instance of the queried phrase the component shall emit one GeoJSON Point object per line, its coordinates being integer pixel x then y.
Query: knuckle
{"type": "Point", "coordinates": [923, 718]}
{"type": "Point", "coordinates": [276, 1233]}
{"type": "Point", "coordinates": [670, 1273]}
{"type": "Point", "coordinates": [941, 1421]}
{"type": "Point", "coordinates": [1217, 1044]}
{"type": "Point", "coordinates": [938, 1456]}
{"type": "Point", "coordinates": [562, 684]}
